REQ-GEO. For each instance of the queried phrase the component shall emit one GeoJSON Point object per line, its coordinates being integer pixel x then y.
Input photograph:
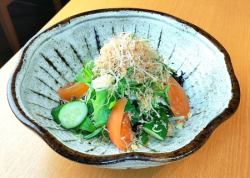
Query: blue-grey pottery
{"type": "Point", "coordinates": [53, 57]}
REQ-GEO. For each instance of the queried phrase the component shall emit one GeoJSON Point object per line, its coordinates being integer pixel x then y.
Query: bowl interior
{"type": "Point", "coordinates": [54, 57]}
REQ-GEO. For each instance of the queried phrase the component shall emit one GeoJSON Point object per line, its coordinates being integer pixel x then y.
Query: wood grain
{"type": "Point", "coordinates": [227, 152]}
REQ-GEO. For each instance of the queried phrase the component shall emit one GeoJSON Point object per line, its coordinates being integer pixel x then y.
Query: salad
{"type": "Point", "coordinates": [127, 95]}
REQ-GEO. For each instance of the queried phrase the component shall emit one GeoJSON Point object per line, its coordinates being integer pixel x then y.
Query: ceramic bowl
{"type": "Point", "coordinates": [53, 57]}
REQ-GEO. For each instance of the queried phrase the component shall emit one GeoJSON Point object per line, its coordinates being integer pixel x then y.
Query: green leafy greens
{"type": "Point", "coordinates": [86, 74]}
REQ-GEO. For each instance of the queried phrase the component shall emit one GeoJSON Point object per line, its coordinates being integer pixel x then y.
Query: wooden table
{"type": "Point", "coordinates": [227, 152]}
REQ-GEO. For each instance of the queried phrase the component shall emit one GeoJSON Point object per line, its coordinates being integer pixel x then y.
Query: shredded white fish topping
{"type": "Point", "coordinates": [124, 52]}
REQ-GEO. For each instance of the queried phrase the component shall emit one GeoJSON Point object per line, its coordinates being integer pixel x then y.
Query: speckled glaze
{"type": "Point", "coordinates": [52, 58]}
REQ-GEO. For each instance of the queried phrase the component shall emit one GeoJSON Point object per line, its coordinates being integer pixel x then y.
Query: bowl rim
{"type": "Point", "coordinates": [77, 156]}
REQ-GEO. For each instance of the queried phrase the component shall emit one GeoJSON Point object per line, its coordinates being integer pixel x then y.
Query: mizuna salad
{"type": "Point", "coordinates": [127, 95]}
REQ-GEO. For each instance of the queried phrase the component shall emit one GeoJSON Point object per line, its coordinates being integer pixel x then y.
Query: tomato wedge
{"type": "Point", "coordinates": [178, 99]}
{"type": "Point", "coordinates": [126, 130]}
{"type": "Point", "coordinates": [120, 132]}
{"type": "Point", "coordinates": [72, 90]}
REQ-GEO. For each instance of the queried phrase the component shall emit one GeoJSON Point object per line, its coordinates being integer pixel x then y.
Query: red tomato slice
{"type": "Point", "coordinates": [126, 131]}
{"type": "Point", "coordinates": [120, 132]}
{"type": "Point", "coordinates": [72, 90]}
{"type": "Point", "coordinates": [178, 99]}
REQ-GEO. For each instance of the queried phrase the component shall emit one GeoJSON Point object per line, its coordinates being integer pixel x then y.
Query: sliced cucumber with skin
{"type": "Point", "coordinates": [156, 129]}
{"type": "Point", "coordinates": [72, 114]}
{"type": "Point", "coordinates": [55, 112]}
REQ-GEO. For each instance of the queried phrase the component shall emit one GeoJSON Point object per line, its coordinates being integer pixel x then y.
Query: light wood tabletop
{"type": "Point", "coordinates": [226, 153]}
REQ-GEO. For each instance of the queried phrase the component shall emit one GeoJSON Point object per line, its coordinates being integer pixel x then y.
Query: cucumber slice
{"type": "Point", "coordinates": [72, 114]}
{"type": "Point", "coordinates": [55, 111]}
{"type": "Point", "coordinates": [156, 129]}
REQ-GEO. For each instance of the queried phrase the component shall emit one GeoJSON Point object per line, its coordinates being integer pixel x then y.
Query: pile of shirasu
{"type": "Point", "coordinates": [124, 52]}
